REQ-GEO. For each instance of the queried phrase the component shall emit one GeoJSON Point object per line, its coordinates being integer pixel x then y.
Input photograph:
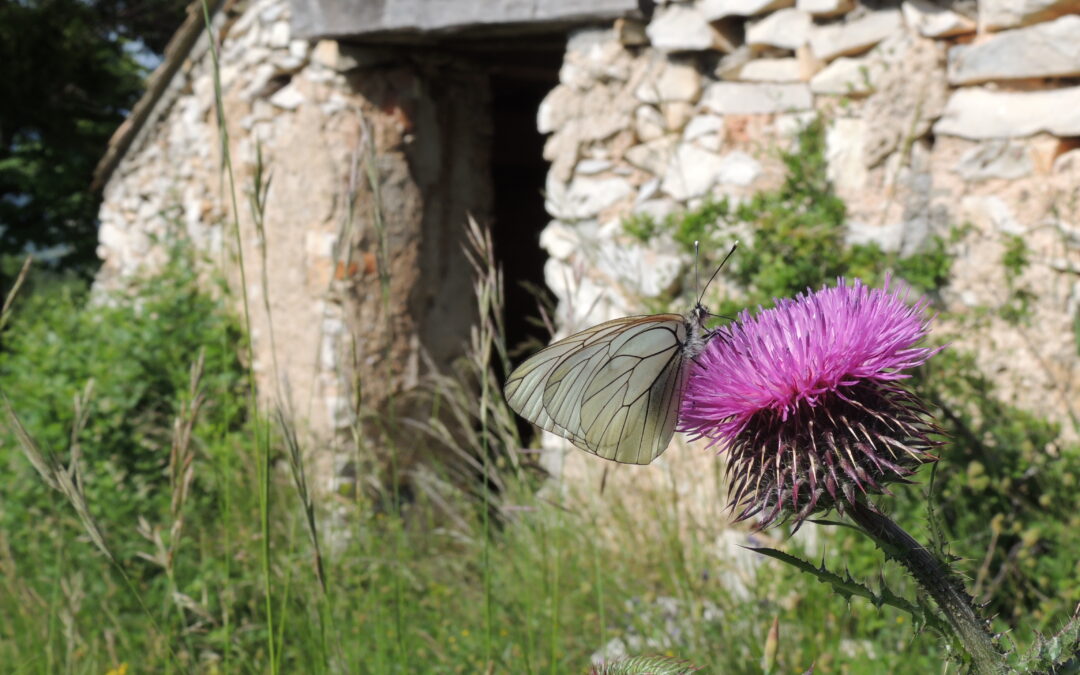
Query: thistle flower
{"type": "Point", "coordinates": [806, 400]}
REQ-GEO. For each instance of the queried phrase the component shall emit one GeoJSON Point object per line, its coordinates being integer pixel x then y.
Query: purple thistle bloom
{"type": "Point", "coordinates": [805, 400]}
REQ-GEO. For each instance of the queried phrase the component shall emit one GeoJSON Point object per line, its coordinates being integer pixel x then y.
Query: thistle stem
{"type": "Point", "coordinates": [938, 580]}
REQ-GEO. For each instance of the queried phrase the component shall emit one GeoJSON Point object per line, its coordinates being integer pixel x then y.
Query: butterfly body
{"type": "Point", "coordinates": [613, 389]}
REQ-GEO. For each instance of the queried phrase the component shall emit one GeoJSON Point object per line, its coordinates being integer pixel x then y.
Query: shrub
{"type": "Point", "coordinates": [138, 350]}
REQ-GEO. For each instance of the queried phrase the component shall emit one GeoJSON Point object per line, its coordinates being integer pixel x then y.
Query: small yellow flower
{"type": "Point", "coordinates": [121, 669]}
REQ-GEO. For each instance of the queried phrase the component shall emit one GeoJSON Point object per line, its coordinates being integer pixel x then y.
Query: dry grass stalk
{"type": "Point", "coordinates": [68, 481]}
{"type": "Point", "coordinates": [296, 468]}
{"type": "Point", "coordinates": [5, 312]}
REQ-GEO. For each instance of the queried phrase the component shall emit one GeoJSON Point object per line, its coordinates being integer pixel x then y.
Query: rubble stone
{"type": "Point", "coordinates": [684, 28]}
{"type": "Point", "coordinates": [999, 14]}
{"type": "Point", "coordinates": [981, 113]}
{"type": "Point", "coordinates": [934, 21]}
{"type": "Point", "coordinates": [736, 98]}
{"type": "Point", "coordinates": [843, 39]}
{"type": "Point", "coordinates": [1049, 49]}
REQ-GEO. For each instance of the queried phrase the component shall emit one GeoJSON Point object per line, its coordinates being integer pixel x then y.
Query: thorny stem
{"type": "Point", "coordinates": [938, 580]}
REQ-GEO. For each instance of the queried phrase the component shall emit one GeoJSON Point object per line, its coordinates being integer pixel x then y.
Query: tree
{"type": "Point", "coordinates": [71, 69]}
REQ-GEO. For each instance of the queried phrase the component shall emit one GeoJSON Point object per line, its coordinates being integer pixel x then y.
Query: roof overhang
{"type": "Point", "coordinates": [411, 20]}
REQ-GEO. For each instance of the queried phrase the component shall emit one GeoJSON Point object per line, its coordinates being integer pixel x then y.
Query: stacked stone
{"type": "Point", "coordinates": [170, 184]}
{"type": "Point", "coordinates": [936, 117]}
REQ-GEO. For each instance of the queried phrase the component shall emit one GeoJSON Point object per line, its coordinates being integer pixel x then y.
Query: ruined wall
{"type": "Point", "coordinates": [939, 114]}
{"type": "Point", "coordinates": [332, 128]}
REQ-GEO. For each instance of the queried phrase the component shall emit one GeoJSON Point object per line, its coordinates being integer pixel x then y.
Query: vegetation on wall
{"type": "Point", "coordinates": [1004, 491]}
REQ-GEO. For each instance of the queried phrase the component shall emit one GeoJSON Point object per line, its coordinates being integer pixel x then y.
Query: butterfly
{"type": "Point", "coordinates": [614, 389]}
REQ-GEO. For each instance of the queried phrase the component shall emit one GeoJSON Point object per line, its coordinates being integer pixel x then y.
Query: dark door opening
{"type": "Point", "coordinates": [519, 81]}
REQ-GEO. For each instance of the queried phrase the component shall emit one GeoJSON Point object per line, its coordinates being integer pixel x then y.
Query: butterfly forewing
{"type": "Point", "coordinates": [613, 389]}
{"type": "Point", "coordinates": [642, 426]}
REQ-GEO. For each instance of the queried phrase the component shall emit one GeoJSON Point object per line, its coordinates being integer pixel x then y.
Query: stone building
{"type": "Point", "coordinates": [384, 123]}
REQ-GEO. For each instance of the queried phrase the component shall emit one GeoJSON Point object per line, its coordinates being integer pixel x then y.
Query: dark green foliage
{"type": "Point", "coordinates": [1058, 654]}
{"type": "Point", "coordinates": [138, 350]}
{"type": "Point", "coordinates": [1017, 305]}
{"type": "Point", "coordinates": [929, 269]}
{"type": "Point", "coordinates": [641, 226]}
{"type": "Point", "coordinates": [1006, 493]}
{"type": "Point", "coordinates": [797, 236]}
{"type": "Point", "coordinates": [70, 76]}
{"type": "Point", "coordinates": [1015, 259]}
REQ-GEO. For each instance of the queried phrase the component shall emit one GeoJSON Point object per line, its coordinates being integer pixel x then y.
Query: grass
{"type": "Point", "coordinates": [135, 536]}
{"type": "Point", "coordinates": [449, 580]}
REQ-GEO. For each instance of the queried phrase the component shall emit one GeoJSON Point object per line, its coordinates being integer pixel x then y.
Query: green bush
{"type": "Point", "coordinates": [1005, 492]}
{"type": "Point", "coordinates": [138, 350]}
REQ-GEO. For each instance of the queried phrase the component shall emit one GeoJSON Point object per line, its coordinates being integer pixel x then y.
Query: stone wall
{"type": "Point", "coordinates": [326, 122]}
{"type": "Point", "coordinates": [938, 114]}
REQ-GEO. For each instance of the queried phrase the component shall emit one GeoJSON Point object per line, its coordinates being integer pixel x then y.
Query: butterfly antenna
{"type": "Point", "coordinates": [697, 264]}
{"type": "Point", "coordinates": [718, 268]}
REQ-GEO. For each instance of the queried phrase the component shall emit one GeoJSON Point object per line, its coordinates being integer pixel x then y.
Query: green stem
{"type": "Point", "coordinates": [937, 579]}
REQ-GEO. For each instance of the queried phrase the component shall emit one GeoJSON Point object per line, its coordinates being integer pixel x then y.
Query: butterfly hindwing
{"type": "Point", "coordinates": [613, 389]}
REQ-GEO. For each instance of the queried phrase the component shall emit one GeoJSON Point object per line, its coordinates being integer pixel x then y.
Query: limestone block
{"type": "Point", "coordinates": [933, 21]}
{"type": "Point", "coordinates": [693, 171]}
{"type": "Point", "coordinates": [845, 139]}
{"type": "Point", "coordinates": [990, 212]}
{"type": "Point", "coordinates": [718, 9]}
{"type": "Point", "coordinates": [738, 168]}
{"type": "Point", "coordinates": [981, 113]}
{"type": "Point", "coordinates": [771, 70]}
{"type": "Point", "coordinates": [684, 28]}
{"type": "Point", "coordinates": [657, 209]}
{"type": "Point", "coordinates": [585, 197]}
{"type": "Point", "coordinates": [826, 8]}
{"type": "Point", "coordinates": [1068, 162]}
{"type": "Point", "coordinates": [560, 240]}
{"type": "Point", "coordinates": [676, 114]}
{"type": "Point", "coordinates": [909, 94]}
{"type": "Point", "coordinates": [843, 39]}
{"type": "Point", "coordinates": [554, 109]}
{"type": "Point", "coordinates": [631, 32]}
{"type": "Point", "coordinates": [703, 125]}
{"type": "Point", "coordinates": [643, 271]}
{"type": "Point", "coordinates": [654, 155]}
{"type": "Point", "coordinates": [889, 238]}
{"type": "Point", "coordinates": [738, 98]}
{"type": "Point", "coordinates": [998, 14]}
{"type": "Point", "coordinates": [594, 55]}
{"type": "Point", "coordinates": [847, 77]}
{"type": "Point", "coordinates": [1049, 49]}
{"type": "Point", "coordinates": [787, 29]}
{"type": "Point", "coordinates": [677, 81]}
{"type": "Point", "coordinates": [649, 123]}
{"type": "Point", "coordinates": [995, 159]}
{"type": "Point", "coordinates": [279, 34]}
{"type": "Point", "coordinates": [589, 167]}
{"type": "Point", "coordinates": [287, 98]}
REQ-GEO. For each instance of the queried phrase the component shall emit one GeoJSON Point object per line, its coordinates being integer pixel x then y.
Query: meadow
{"type": "Point", "coordinates": [157, 516]}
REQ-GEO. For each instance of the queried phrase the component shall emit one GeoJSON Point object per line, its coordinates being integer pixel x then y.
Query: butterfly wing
{"type": "Point", "coordinates": [613, 389]}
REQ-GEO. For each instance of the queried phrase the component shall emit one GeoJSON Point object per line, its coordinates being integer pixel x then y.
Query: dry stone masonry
{"type": "Point", "coordinates": [939, 115]}
{"type": "Point", "coordinates": [325, 122]}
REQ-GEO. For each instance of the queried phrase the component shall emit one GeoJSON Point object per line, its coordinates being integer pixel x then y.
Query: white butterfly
{"type": "Point", "coordinates": [614, 389]}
